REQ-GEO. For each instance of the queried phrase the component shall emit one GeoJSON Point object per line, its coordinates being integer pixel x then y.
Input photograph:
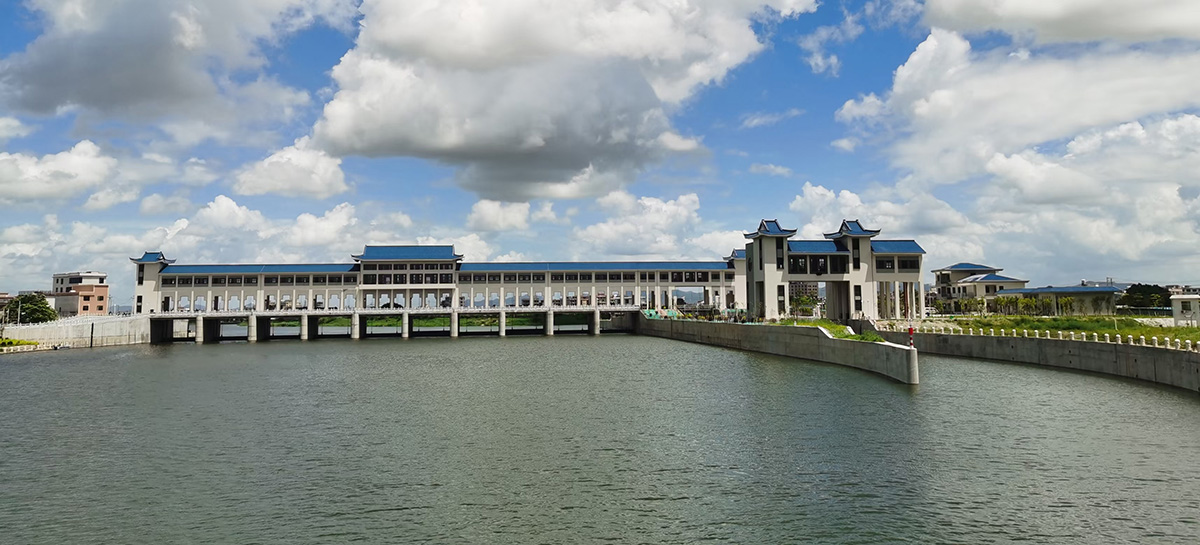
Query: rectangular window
{"type": "Point", "coordinates": [100, 307]}
{"type": "Point", "coordinates": [524, 277]}
{"type": "Point", "coordinates": [689, 277]}
{"type": "Point", "coordinates": [539, 278]}
{"type": "Point", "coordinates": [141, 275]}
{"type": "Point", "coordinates": [235, 280]}
{"type": "Point", "coordinates": [510, 278]}
{"type": "Point", "coordinates": [446, 278]}
{"type": "Point", "coordinates": [585, 277]}
{"type": "Point", "coordinates": [100, 298]}
{"type": "Point", "coordinates": [779, 253]}
{"type": "Point", "coordinates": [87, 297]}
{"type": "Point", "coordinates": [677, 277]}
{"type": "Point", "coordinates": [200, 281]}
{"type": "Point", "coordinates": [219, 280]}
{"type": "Point", "coordinates": [839, 264]}
{"type": "Point", "coordinates": [334, 280]}
{"type": "Point", "coordinates": [858, 298]}
{"type": "Point", "coordinates": [447, 266]}
{"type": "Point", "coordinates": [885, 264]}
{"type": "Point", "coordinates": [642, 277]}
{"type": "Point", "coordinates": [573, 277]}
{"type": "Point", "coordinates": [464, 279]}
{"type": "Point", "coordinates": [319, 280]}
{"type": "Point", "coordinates": [417, 266]}
{"type": "Point", "coordinates": [628, 277]}
{"type": "Point", "coordinates": [385, 266]}
{"type": "Point", "coordinates": [818, 264]}
{"type": "Point", "coordinates": [350, 279]}
{"type": "Point", "coordinates": [493, 277]}
{"type": "Point", "coordinates": [602, 277]}
{"type": "Point", "coordinates": [287, 280]}
{"type": "Point", "coordinates": [400, 278]}
{"type": "Point", "coordinates": [663, 277]}
{"type": "Point", "coordinates": [85, 307]}
{"type": "Point", "coordinates": [415, 279]}
{"type": "Point", "coordinates": [797, 264]}
{"type": "Point", "coordinates": [368, 278]}
{"type": "Point", "coordinates": [302, 280]}
{"type": "Point", "coordinates": [370, 266]}
{"type": "Point", "coordinates": [854, 252]}
{"type": "Point", "coordinates": [910, 264]}
{"type": "Point", "coordinates": [556, 278]}
{"type": "Point", "coordinates": [382, 279]}
{"type": "Point", "coordinates": [480, 278]}
{"type": "Point", "coordinates": [730, 276]}
{"type": "Point", "coordinates": [185, 281]}
{"type": "Point", "coordinates": [400, 267]}
{"type": "Point", "coordinates": [702, 277]}
{"type": "Point", "coordinates": [271, 281]}
{"type": "Point", "coordinates": [431, 278]}
{"type": "Point", "coordinates": [1185, 306]}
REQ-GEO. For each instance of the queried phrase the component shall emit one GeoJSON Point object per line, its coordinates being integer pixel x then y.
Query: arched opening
{"type": "Point", "coordinates": [285, 302]}
{"type": "Point", "coordinates": [251, 304]}
{"type": "Point", "coordinates": [368, 300]}
{"type": "Point", "coordinates": [572, 299]}
{"type": "Point", "coordinates": [493, 300]}
{"type": "Point", "coordinates": [539, 299]}
{"type": "Point", "coordinates": [166, 304]}
{"type": "Point", "coordinates": [557, 299]}
{"type": "Point", "coordinates": [510, 299]}
{"type": "Point", "coordinates": [585, 299]}
{"type": "Point", "coordinates": [430, 300]}
{"type": "Point", "coordinates": [447, 300]}
{"type": "Point", "coordinates": [414, 301]}
{"type": "Point", "coordinates": [272, 303]}
{"type": "Point", "coordinates": [200, 305]}
{"type": "Point", "coordinates": [234, 303]}
{"type": "Point", "coordinates": [480, 301]}
{"type": "Point", "coordinates": [184, 304]}
{"type": "Point", "coordinates": [525, 299]}
{"type": "Point", "coordinates": [334, 302]}
{"type": "Point", "coordinates": [350, 301]}
{"type": "Point", "coordinates": [318, 302]}
{"type": "Point", "coordinates": [462, 300]}
{"type": "Point", "coordinates": [302, 302]}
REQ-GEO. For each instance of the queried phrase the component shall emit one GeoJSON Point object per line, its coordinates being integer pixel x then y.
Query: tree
{"type": "Point", "coordinates": [1028, 305]}
{"type": "Point", "coordinates": [1066, 305]}
{"type": "Point", "coordinates": [32, 307]}
{"type": "Point", "coordinates": [1145, 295]}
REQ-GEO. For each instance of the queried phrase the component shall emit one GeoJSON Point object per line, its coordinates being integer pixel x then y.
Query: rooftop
{"type": "Point", "coordinates": [968, 267]}
{"type": "Point", "coordinates": [587, 266]}
{"type": "Point", "coordinates": [315, 268]}
{"type": "Point", "coordinates": [770, 228]}
{"type": "Point", "coordinates": [896, 247]}
{"type": "Point", "coordinates": [408, 252]}
{"type": "Point", "coordinates": [989, 278]}
{"type": "Point", "coordinates": [852, 228]}
{"type": "Point", "coordinates": [152, 257]}
{"type": "Point", "coordinates": [1066, 290]}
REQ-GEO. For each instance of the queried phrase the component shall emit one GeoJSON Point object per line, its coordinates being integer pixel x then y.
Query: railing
{"type": "Point", "coordinates": [1154, 342]}
{"type": "Point", "coordinates": [382, 311]}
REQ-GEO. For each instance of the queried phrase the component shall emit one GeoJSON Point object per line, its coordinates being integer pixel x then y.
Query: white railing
{"type": "Point", "coordinates": [1154, 342]}
{"type": "Point", "coordinates": [396, 311]}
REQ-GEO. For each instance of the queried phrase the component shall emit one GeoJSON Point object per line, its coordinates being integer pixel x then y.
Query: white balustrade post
{"type": "Point", "coordinates": [1155, 339]}
{"type": "Point", "coordinates": [1060, 335]}
{"type": "Point", "coordinates": [1106, 337]}
{"type": "Point", "coordinates": [1025, 332]}
{"type": "Point", "coordinates": [1178, 344]}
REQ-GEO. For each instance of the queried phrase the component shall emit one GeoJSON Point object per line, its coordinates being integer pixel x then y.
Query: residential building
{"type": "Point", "coordinates": [80, 293]}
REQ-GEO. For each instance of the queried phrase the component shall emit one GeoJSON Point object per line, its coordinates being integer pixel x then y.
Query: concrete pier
{"type": "Point", "coordinates": [252, 328]}
{"type": "Point", "coordinates": [453, 325]}
{"type": "Point", "coordinates": [503, 322]}
{"type": "Point", "coordinates": [304, 327]}
{"type": "Point", "coordinates": [199, 330]}
{"type": "Point", "coordinates": [595, 325]}
{"type": "Point", "coordinates": [355, 329]}
{"type": "Point", "coordinates": [404, 325]}
{"type": "Point", "coordinates": [549, 323]}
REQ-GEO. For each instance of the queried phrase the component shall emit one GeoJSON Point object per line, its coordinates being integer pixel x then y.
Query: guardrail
{"type": "Point", "coordinates": [1154, 342]}
{"type": "Point", "coordinates": [392, 311]}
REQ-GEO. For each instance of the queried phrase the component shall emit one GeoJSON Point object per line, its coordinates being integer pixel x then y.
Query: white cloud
{"type": "Point", "coordinates": [545, 214]}
{"type": "Point", "coordinates": [325, 230]}
{"type": "Point", "coordinates": [718, 244]}
{"type": "Point", "coordinates": [11, 127]}
{"type": "Point", "coordinates": [298, 170]}
{"type": "Point", "coordinates": [498, 216]}
{"type": "Point", "coordinates": [765, 119]}
{"type": "Point", "coordinates": [157, 204]}
{"type": "Point", "coordinates": [641, 228]}
{"type": "Point", "coordinates": [845, 144]}
{"type": "Point", "coordinates": [1072, 20]}
{"type": "Point", "coordinates": [866, 107]}
{"type": "Point", "coordinates": [770, 170]}
{"type": "Point", "coordinates": [814, 44]}
{"type": "Point", "coordinates": [25, 178]}
{"type": "Point", "coordinates": [534, 98]}
{"type": "Point", "coordinates": [111, 196]}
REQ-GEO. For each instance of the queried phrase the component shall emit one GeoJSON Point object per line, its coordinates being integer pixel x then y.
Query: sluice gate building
{"type": "Point", "coordinates": [864, 278]}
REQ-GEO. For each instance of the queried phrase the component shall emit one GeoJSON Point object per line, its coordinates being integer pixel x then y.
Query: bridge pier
{"type": "Point", "coordinates": [549, 323]}
{"type": "Point", "coordinates": [304, 327]}
{"type": "Point", "coordinates": [453, 324]}
{"type": "Point", "coordinates": [355, 328]}
{"type": "Point", "coordinates": [252, 328]}
{"type": "Point", "coordinates": [199, 330]}
{"type": "Point", "coordinates": [595, 325]}
{"type": "Point", "coordinates": [503, 322]}
{"type": "Point", "coordinates": [404, 325]}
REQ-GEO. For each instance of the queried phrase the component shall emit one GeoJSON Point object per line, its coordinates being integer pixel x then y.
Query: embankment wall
{"type": "Point", "coordinates": [1179, 368]}
{"type": "Point", "coordinates": [83, 333]}
{"type": "Point", "coordinates": [810, 343]}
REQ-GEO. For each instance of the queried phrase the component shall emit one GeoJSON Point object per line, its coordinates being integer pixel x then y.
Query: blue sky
{"type": "Point", "coordinates": [1058, 145]}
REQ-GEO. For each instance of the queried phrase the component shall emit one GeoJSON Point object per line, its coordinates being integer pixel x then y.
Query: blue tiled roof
{"type": "Point", "coordinates": [816, 247]}
{"type": "Point", "coordinates": [1066, 290]}
{"type": "Point", "coordinates": [770, 228]}
{"type": "Point", "coordinates": [585, 266]}
{"type": "Point", "coordinates": [969, 267]}
{"type": "Point", "coordinates": [852, 228]}
{"type": "Point", "coordinates": [988, 278]}
{"type": "Point", "coordinates": [152, 257]}
{"type": "Point", "coordinates": [407, 252]}
{"type": "Point", "coordinates": [316, 268]}
{"type": "Point", "coordinates": [737, 254]}
{"type": "Point", "coordinates": [896, 247]}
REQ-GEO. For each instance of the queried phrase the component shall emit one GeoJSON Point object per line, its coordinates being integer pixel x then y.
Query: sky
{"type": "Point", "coordinates": [1059, 140]}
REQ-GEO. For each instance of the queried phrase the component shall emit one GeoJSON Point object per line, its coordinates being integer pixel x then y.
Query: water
{"type": "Point", "coordinates": [577, 439]}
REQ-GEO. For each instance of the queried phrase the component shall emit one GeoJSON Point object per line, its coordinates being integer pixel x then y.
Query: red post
{"type": "Point", "coordinates": [910, 336]}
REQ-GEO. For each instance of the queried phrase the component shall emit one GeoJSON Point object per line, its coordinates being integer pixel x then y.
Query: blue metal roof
{"type": "Point", "coordinates": [969, 267]}
{"type": "Point", "coordinates": [374, 253]}
{"type": "Point", "coordinates": [770, 228]}
{"type": "Point", "coordinates": [852, 228]}
{"type": "Point", "coordinates": [1067, 290]}
{"type": "Point", "coordinates": [737, 254]}
{"type": "Point", "coordinates": [256, 269]}
{"type": "Point", "coordinates": [587, 266]}
{"type": "Point", "coordinates": [989, 278]}
{"type": "Point", "coordinates": [152, 257]}
{"type": "Point", "coordinates": [816, 247]}
{"type": "Point", "coordinates": [896, 247]}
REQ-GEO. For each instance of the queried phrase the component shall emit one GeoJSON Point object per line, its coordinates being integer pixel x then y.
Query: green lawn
{"type": "Point", "coordinates": [837, 330]}
{"type": "Point", "coordinates": [15, 342]}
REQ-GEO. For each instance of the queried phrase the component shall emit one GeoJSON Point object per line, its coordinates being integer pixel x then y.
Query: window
{"type": "Point", "coordinates": [729, 276]}
{"type": "Point", "coordinates": [643, 277]}
{"type": "Point", "coordinates": [271, 281]}
{"type": "Point", "coordinates": [100, 307]}
{"type": "Point", "coordinates": [400, 278]}
{"type": "Point", "coordinates": [287, 280]}
{"type": "Point", "coordinates": [447, 266]}
{"type": "Point", "coordinates": [854, 251]}
{"type": "Point", "coordinates": [99, 297]}
{"type": "Point", "coordinates": [200, 281]}
{"type": "Point", "coordinates": [663, 277]}
{"type": "Point", "coordinates": [75, 280]}
{"type": "Point", "coordinates": [779, 253]}
{"type": "Point", "coordinates": [858, 298]}
{"type": "Point", "coordinates": [539, 278]}
{"type": "Point", "coordinates": [689, 276]}
{"type": "Point", "coordinates": [318, 280]}
{"type": "Point", "coordinates": [628, 277]}
{"type": "Point", "coordinates": [218, 280]}
{"type": "Point", "coordinates": [523, 277]}
{"type": "Point", "coordinates": [510, 278]}
{"type": "Point", "coordinates": [781, 298]}
{"type": "Point", "coordinates": [85, 307]}
{"type": "Point", "coordinates": [235, 280]}
{"type": "Point", "coordinates": [141, 275]}
{"type": "Point", "coordinates": [572, 277]}
{"type": "Point", "coordinates": [464, 279]}
{"type": "Point", "coordinates": [446, 278]}
{"type": "Point", "coordinates": [301, 280]}
{"type": "Point", "coordinates": [368, 279]}
{"type": "Point", "coordinates": [818, 264]}
{"type": "Point", "coordinates": [885, 264]}
{"type": "Point", "coordinates": [1185, 306]}
{"type": "Point", "coordinates": [556, 278]}
{"type": "Point", "coordinates": [382, 279]}
{"type": "Point", "coordinates": [415, 279]}
{"type": "Point", "coordinates": [910, 264]}
{"type": "Point", "coordinates": [702, 277]}
{"type": "Point", "coordinates": [334, 280]}
{"type": "Point", "coordinates": [87, 297]}
{"type": "Point", "coordinates": [385, 266]}
{"type": "Point", "coordinates": [797, 264]}
{"type": "Point", "coordinates": [400, 267]}
{"type": "Point", "coordinates": [989, 289]}
{"type": "Point", "coordinates": [418, 267]}
{"type": "Point", "coordinates": [839, 264]}
{"type": "Point", "coordinates": [370, 267]}
{"type": "Point", "coordinates": [493, 278]}
{"type": "Point", "coordinates": [431, 278]}
{"type": "Point", "coordinates": [602, 277]}
{"type": "Point", "coordinates": [185, 281]}
{"type": "Point", "coordinates": [677, 277]}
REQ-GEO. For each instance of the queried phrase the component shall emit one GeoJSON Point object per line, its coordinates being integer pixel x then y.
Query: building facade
{"type": "Point", "coordinates": [80, 293]}
{"type": "Point", "coordinates": [411, 277]}
{"type": "Point", "coordinates": [864, 277]}
{"type": "Point", "coordinates": [973, 281]}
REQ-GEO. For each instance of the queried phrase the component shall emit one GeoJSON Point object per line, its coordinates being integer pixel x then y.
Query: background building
{"type": "Point", "coordinates": [973, 281]}
{"type": "Point", "coordinates": [80, 293]}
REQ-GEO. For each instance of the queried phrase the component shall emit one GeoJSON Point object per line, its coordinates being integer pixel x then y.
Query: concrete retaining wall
{"type": "Point", "coordinates": [85, 333]}
{"type": "Point", "coordinates": [810, 343]}
{"type": "Point", "coordinates": [1179, 368]}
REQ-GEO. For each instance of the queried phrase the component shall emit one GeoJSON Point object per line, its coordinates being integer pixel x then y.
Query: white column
{"type": "Point", "coordinates": [404, 325]}
{"type": "Point", "coordinates": [303, 326]}
{"type": "Point", "coordinates": [549, 323]}
{"type": "Point", "coordinates": [454, 324]}
{"type": "Point", "coordinates": [503, 322]}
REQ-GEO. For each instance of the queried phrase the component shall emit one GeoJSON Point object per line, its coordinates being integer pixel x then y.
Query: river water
{"type": "Point", "coordinates": [577, 439]}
